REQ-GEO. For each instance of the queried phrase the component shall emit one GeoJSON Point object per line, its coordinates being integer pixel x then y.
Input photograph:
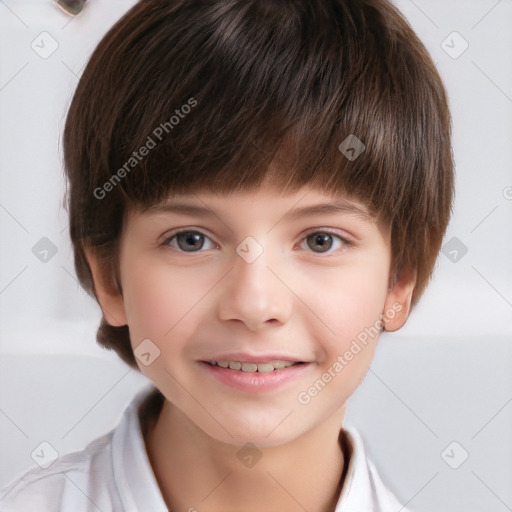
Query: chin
{"type": "Point", "coordinates": [264, 431]}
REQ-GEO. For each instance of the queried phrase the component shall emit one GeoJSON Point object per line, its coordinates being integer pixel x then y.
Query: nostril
{"type": "Point", "coordinates": [71, 7]}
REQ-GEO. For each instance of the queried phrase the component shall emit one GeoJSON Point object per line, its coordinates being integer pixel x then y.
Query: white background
{"type": "Point", "coordinates": [446, 376]}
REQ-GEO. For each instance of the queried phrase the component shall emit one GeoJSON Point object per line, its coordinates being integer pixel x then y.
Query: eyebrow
{"type": "Point", "coordinates": [325, 208]}
{"type": "Point", "coordinates": [337, 207]}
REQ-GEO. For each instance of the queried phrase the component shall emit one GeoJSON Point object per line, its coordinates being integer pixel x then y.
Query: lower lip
{"type": "Point", "coordinates": [256, 381]}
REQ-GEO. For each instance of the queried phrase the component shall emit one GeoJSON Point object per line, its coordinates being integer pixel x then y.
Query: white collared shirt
{"type": "Point", "coordinates": [113, 474]}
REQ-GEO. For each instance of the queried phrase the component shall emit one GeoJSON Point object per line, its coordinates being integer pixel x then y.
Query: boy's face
{"type": "Point", "coordinates": [255, 282]}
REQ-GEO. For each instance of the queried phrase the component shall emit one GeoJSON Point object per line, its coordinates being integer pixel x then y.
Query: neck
{"type": "Point", "coordinates": [196, 472]}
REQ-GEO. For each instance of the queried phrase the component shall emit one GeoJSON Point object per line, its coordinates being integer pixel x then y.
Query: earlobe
{"type": "Point", "coordinates": [398, 300]}
{"type": "Point", "coordinates": [108, 295]}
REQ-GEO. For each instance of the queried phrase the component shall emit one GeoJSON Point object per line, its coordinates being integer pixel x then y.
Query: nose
{"type": "Point", "coordinates": [255, 293]}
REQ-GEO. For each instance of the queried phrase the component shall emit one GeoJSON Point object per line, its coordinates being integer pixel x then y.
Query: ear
{"type": "Point", "coordinates": [108, 295]}
{"type": "Point", "coordinates": [398, 300]}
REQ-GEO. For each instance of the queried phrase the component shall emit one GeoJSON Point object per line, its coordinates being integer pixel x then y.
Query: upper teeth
{"type": "Point", "coordinates": [253, 367]}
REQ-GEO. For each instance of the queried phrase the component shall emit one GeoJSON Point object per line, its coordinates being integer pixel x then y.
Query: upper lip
{"type": "Point", "coordinates": [254, 358]}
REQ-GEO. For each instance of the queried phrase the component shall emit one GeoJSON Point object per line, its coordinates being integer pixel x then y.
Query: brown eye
{"type": "Point", "coordinates": [188, 241]}
{"type": "Point", "coordinates": [321, 242]}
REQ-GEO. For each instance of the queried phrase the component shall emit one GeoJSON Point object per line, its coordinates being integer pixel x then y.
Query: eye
{"type": "Point", "coordinates": [194, 241]}
{"type": "Point", "coordinates": [325, 241]}
{"type": "Point", "coordinates": [187, 241]}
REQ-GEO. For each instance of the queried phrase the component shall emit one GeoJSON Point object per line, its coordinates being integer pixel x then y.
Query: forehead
{"type": "Point", "coordinates": [291, 206]}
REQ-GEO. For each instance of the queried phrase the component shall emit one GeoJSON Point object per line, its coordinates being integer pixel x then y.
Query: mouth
{"type": "Point", "coordinates": [255, 376]}
{"type": "Point", "coordinates": [254, 367]}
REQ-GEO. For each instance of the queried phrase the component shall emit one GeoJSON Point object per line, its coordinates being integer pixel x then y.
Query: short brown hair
{"type": "Point", "coordinates": [281, 81]}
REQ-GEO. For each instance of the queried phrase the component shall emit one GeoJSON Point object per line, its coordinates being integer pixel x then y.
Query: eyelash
{"type": "Point", "coordinates": [345, 242]}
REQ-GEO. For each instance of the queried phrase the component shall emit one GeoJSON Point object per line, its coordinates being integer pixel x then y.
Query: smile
{"type": "Point", "coordinates": [253, 367]}
{"type": "Point", "coordinates": [254, 376]}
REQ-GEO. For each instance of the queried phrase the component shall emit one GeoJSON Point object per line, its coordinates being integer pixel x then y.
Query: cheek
{"type": "Point", "coordinates": [159, 300]}
{"type": "Point", "coordinates": [352, 299]}
{"type": "Point", "coordinates": [355, 300]}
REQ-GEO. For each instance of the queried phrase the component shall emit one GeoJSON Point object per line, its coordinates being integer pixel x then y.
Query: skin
{"type": "Point", "coordinates": [307, 301]}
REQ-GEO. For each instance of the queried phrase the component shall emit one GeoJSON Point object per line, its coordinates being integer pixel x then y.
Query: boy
{"type": "Point", "coordinates": [257, 188]}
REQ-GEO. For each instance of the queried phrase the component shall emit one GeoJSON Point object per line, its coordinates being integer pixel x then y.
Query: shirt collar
{"type": "Point", "coordinates": [139, 490]}
{"type": "Point", "coordinates": [357, 492]}
{"type": "Point", "coordinates": [133, 473]}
